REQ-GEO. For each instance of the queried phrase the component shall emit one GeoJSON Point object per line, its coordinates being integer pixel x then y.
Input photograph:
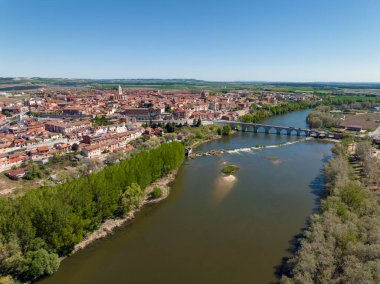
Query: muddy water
{"type": "Point", "coordinates": [212, 229]}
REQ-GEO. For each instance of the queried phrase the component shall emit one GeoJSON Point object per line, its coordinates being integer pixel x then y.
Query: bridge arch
{"type": "Point", "coordinates": [250, 128]}
{"type": "Point", "coordinates": [272, 129]}
{"type": "Point", "coordinates": [260, 129]}
{"type": "Point", "coordinates": [281, 131]}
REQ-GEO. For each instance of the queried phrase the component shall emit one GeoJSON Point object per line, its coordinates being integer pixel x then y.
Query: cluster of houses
{"type": "Point", "coordinates": [51, 121]}
{"type": "Point", "coordinates": [146, 104]}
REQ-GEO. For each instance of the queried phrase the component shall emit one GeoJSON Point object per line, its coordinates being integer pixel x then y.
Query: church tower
{"type": "Point", "coordinates": [120, 90]}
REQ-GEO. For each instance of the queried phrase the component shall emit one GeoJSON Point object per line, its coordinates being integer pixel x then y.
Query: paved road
{"type": "Point", "coordinates": [29, 147]}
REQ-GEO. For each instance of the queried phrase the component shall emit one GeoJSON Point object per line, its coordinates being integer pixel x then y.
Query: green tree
{"type": "Point", "coordinates": [157, 192]}
{"type": "Point", "coordinates": [131, 198]}
{"type": "Point", "coordinates": [226, 130]}
{"type": "Point", "coordinates": [46, 222]}
{"type": "Point", "coordinates": [199, 122]}
{"type": "Point", "coordinates": [169, 127]}
{"type": "Point", "coordinates": [40, 262]}
{"type": "Point", "coordinates": [75, 147]}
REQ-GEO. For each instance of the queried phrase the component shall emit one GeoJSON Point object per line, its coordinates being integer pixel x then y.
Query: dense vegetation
{"type": "Point", "coordinates": [45, 223]}
{"type": "Point", "coordinates": [321, 117]}
{"type": "Point", "coordinates": [230, 169]}
{"type": "Point", "coordinates": [367, 165]}
{"type": "Point", "coordinates": [351, 102]}
{"type": "Point", "coordinates": [156, 193]}
{"type": "Point", "coordinates": [192, 135]}
{"type": "Point", "coordinates": [100, 121]}
{"type": "Point", "coordinates": [342, 242]}
{"type": "Point", "coordinates": [259, 114]}
{"type": "Point", "coordinates": [225, 130]}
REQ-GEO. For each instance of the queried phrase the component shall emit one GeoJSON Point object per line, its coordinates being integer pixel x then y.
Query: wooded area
{"type": "Point", "coordinates": [46, 223]}
{"type": "Point", "coordinates": [259, 114]}
{"type": "Point", "coordinates": [342, 242]}
{"type": "Point", "coordinates": [320, 117]}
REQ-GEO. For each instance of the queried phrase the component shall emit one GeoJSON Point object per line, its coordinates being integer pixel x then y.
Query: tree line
{"type": "Point", "coordinates": [351, 102]}
{"type": "Point", "coordinates": [321, 117]}
{"type": "Point", "coordinates": [342, 242]}
{"type": "Point", "coordinates": [36, 229]}
{"type": "Point", "coordinates": [258, 114]}
{"type": "Point", "coordinates": [369, 166]}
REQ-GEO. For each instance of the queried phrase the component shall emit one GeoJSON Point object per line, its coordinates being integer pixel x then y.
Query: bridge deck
{"type": "Point", "coordinates": [289, 129]}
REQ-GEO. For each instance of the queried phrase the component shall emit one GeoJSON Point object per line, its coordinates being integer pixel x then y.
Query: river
{"type": "Point", "coordinates": [210, 230]}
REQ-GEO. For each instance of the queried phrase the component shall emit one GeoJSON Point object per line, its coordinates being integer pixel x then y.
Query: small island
{"type": "Point", "coordinates": [230, 169]}
{"type": "Point", "coordinates": [271, 158]}
{"type": "Point", "coordinates": [274, 160]}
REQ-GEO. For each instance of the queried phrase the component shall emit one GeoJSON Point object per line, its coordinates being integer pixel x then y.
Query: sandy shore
{"type": "Point", "coordinates": [109, 225]}
{"type": "Point", "coordinates": [229, 178]}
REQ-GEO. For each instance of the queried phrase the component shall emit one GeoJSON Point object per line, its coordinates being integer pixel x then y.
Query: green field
{"type": "Point", "coordinates": [320, 89]}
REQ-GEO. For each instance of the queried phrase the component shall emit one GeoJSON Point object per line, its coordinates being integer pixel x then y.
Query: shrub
{"type": "Point", "coordinates": [230, 169]}
{"type": "Point", "coordinates": [226, 130]}
{"type": "Point", "coordinates": [156, 193]}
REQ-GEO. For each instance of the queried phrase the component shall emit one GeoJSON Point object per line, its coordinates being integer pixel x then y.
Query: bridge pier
{"type": "Point", "coordinates": [279, 130]}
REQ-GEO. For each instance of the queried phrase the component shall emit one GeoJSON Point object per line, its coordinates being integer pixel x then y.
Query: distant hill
{"type": "Point", "coordinates": [21, 83]}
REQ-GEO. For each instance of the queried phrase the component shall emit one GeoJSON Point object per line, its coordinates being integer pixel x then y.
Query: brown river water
{"type": "Point", "coordinates": [212, 229]}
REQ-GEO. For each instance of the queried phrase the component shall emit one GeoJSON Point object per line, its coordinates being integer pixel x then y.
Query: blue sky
{"type": "Point", "coordinates": [266, 40]}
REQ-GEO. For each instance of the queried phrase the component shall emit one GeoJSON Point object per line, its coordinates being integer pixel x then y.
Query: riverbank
{"type": "Point", "coordinates": [342, 238]}
{"type": "Point", "coordinates": [110, 225]}
{"type": "Point", "coordinates": [200, 142]}
{"type": "Point", "coordinates": [60, 217]}
{"type": "Point", "coordinates": [254, 211]}
{"type": "Point", "coordinates": [259, 115]}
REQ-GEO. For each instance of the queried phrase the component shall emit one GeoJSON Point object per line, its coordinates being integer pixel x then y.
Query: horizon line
{"type": "Point", "coordinates": [202, 80]}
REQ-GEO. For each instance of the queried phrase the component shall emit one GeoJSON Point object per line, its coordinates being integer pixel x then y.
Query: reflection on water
{"type": "Point", "coordinates": [223, 186]}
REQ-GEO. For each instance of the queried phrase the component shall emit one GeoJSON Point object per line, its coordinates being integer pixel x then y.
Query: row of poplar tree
{"type": "Point", "coordinates": [36, 229]}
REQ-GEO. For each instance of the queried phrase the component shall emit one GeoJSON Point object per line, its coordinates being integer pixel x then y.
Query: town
{"type": "Point", "coordinates": [96, 123]}
{"type": "Point", "coordinates": [94, 127]}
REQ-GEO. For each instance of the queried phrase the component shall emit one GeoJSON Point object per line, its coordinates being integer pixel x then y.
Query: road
{"type": "Point", "coordinates": [29, 147]}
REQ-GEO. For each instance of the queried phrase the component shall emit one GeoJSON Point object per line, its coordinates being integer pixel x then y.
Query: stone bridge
{"type": "Point", "coordinates": [279, 130]}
